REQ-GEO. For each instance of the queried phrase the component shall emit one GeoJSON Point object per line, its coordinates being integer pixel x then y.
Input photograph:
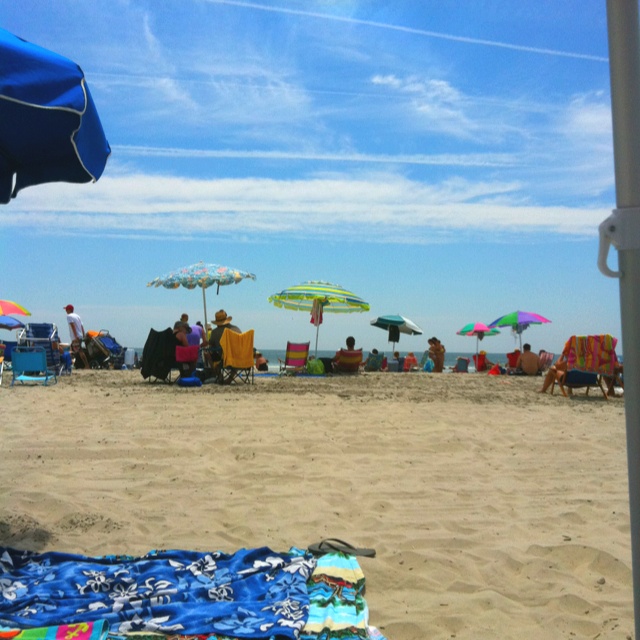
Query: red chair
{"type": "Point", "coordinates": [348, 361]}
{"type": "Point", "coordinates": [512, 359]}
{"type": "Point", "coordinates": [187, 359]}
{"type": "Point", "coordinates": [480, 361]}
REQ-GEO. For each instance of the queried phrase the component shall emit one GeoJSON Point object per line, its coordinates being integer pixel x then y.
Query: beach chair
{"type": "Point", "coordinates": [512, 361]}
{"type": "Point", "coordinates": [187, 359]}
{"type": "Point", "coordinates": [348, 361]}
{"type": "Point", "coordinates": [237, 357]}
{"type": "Point", "coordinates": [591, 360]}
{"type": "Point", "coordinates": [45, 335]}
{"type": "Point", "coordinates": [461, 365]}
{"type": "Point", "coordinates": [546, 360]}
{"type": "Point", "coordinates": [480, 362]}
{"type": "Point", "coordinates": [2, 347]}
{"type": "Point", "coordinates": [410, 363]}
{"type": "Point", "coordinates": [374, 362]}
{"type": "Point", "coordinates": [29, 364]}
{"type": "Point", "coordinates": [426, 362]}
{"type": "Point", "coordinates": [295, 358]}
{"type": "Point", "coordinates": [159, 356]}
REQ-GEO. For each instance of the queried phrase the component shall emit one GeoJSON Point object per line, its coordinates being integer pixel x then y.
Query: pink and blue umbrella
{"type": "Point", "coordinates": [519, 321]}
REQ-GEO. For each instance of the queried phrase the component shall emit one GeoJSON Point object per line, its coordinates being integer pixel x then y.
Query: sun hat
{"type": "Point", "coordinates": [222, 318]}
{"type": "Point", "coordinates": [68, 308]}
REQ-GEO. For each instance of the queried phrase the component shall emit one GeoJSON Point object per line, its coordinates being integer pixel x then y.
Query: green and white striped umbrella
{"type": "Point", "coordinates": [318, 297]}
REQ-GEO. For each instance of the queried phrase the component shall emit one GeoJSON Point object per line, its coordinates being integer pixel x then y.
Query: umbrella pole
{"type": "Point", "coordinates": [317, 331]}
{"type": "Point", "coordinates": [204, 302]}
{"type": "Point", "coordinates": [624, 46]}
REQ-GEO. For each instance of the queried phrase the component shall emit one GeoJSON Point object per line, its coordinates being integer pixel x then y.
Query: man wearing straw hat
{"type": "Point", "coordinates": [222, 322]}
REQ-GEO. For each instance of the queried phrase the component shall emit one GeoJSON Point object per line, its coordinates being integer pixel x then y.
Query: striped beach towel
{"type": "Point", "coordinates": [595, 354]}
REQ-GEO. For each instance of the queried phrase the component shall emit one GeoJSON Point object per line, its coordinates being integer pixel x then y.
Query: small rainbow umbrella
{"type": "Point", "coordinates": [8, 307]}
{"type": "Point", "coordinates": [478, 330]}
{"type": "Point", "coordinates": [519, 321]}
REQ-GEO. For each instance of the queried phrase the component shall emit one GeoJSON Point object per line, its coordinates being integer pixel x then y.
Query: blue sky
{"type": "Point", "coordinates": [449, 161]}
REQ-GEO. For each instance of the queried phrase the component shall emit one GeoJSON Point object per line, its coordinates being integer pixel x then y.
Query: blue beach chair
{"type": "Point", "coordinates": [29, 364]}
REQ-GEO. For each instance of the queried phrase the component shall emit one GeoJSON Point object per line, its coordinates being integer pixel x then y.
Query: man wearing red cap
{"type": "Point", "coordinates": [76, 331]}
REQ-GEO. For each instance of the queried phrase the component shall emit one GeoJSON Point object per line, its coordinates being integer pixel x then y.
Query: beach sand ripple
{"type": "Point", "coordinates": [494, 511]}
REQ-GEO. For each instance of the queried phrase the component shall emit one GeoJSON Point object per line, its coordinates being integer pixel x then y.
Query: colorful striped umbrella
{"type": "Point", "coordinates": [8, 307]}
{"type": "Point", "coordinates": [519, 321]}
{"type": "Point", "coordinates": [478, 330]}
{"type": "Point", "coordinates": [201, 275]}
{"type": "Point", "coordinates": [333, 297]}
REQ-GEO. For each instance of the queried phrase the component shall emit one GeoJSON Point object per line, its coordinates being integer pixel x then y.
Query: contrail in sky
{"type": "Point", "coordinates": [420, 32]}
{"type": "Point", "coordinates": [468, 160]}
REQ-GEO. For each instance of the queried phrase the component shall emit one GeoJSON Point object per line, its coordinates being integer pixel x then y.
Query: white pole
{"type": "Point", "coordinates": [623, 230]}
{"type": "Point", "coordinates": [204, 302]}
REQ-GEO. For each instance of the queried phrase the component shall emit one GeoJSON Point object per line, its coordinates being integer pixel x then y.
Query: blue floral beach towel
{"type": "Point", "coordinates": [255, 593]}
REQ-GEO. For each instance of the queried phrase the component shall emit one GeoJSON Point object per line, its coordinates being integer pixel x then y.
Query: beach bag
{"type": "Point", "coordinates": [315, 367]}
{"type": "Point", "coordinates": [189, 382]}
{"type": "Point", "coordinates": [428, 365]}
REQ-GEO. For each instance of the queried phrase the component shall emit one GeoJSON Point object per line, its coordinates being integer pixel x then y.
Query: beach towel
{"type": "Point", "coordinates": [253, 593]}
{"type": "Point", "coordinates": [80, 631]}
{"type": "Point", "coordinates": [237, 349]}
{"type": "Point", "coordinates": [592, 353]}
{"type": "Point", "coordinates": [337, 605]}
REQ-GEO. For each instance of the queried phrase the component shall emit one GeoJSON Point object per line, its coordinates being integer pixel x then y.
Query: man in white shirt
{"type": "Point", "coordinates": [76, 332]}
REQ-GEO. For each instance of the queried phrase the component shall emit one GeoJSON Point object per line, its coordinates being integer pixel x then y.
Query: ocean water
{"type": "Point", "coordinates": [450, 357]}
{"type": "Point", "coordinates": [273, 356]}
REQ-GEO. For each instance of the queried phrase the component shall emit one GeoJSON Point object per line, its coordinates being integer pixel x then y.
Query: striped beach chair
{"type": "Point", "coordinates": [295, 358]}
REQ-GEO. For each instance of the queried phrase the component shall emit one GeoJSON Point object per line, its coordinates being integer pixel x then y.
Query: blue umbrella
{"type": "Point", "coordinates": [49, 126]}
{"type": "Point", "coordinates": [9, 323]}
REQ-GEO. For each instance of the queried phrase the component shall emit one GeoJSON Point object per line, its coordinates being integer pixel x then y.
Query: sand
{"type": "Point", "coordinates": [495, 512]}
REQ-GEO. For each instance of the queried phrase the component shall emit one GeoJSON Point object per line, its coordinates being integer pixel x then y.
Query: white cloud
{"type": "Point", "coordinates": [372, 209]}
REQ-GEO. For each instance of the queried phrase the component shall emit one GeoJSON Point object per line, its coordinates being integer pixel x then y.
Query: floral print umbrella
{"type": "Point", "coordinates": [203, 275]}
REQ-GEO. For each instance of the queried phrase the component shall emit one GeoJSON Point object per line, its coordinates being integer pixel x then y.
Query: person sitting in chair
{"type": "Point", "coordinates": [214, 350]}
{"type": "Point", "coordinates": [528, 362]}
{"type": "Point", "coordinates": [261, 363]}
{"type": "Point", "coordinates": [555, 372]}
{"type": "Point", "coordinates": [338, 361]}
{"type": "Point", "coordinates": [180, 332]}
